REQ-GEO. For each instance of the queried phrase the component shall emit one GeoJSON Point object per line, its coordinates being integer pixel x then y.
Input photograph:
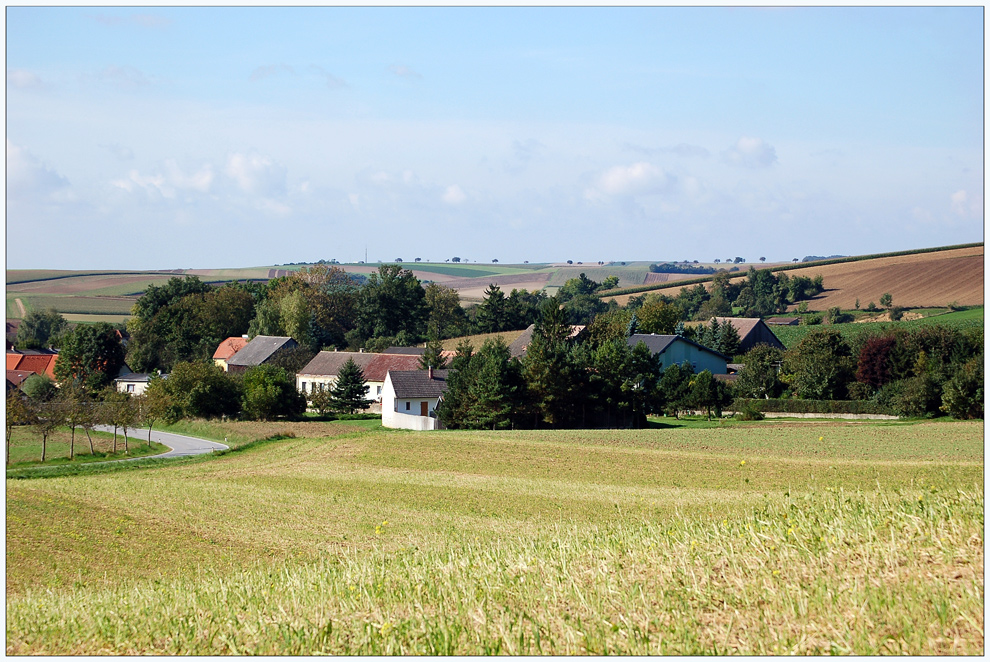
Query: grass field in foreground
{"type": "Point", "coordinates": [798, 537]}
{"type": "Point", "coordinates": [25, 447]}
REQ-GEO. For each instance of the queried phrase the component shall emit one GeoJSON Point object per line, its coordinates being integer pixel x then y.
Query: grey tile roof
{"type": "Point", "coordinates": [260, 349]}
{"type": "Point", "coordinates": [417, 383]}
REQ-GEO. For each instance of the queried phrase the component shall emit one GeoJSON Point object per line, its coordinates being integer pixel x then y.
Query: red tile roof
{"type": "Point", "coordinates": [39, 363]}
{"type": "Point", "coordinates": [379, 367]}
{"type": "Point", "coordinates": [229, 347]}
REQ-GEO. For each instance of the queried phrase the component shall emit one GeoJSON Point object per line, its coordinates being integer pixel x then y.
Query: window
{"type": "Point", "coordinates": [407, 405]}
{"type": "Point", "coordinates": [304, 387]}
{"type": "Point", "coordinates": [130, 388]}
{"type": "Point", "coordinates": [379, 390]}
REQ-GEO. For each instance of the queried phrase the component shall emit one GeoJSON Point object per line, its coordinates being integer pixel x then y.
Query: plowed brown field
{"type": "Point", "coordinates": [914, 281]}
{"type": "Point", "coordinates": [921, 280]}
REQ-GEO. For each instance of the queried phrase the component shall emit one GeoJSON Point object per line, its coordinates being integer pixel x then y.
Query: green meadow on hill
{"type": "Point", "coordinates": [345, 538]}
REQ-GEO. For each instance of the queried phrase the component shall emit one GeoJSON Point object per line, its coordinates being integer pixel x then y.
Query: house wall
{"type": "Point", "coordinates": [374, 389]}
{"type": "Point", "coordinates": [680, 351]}
{"type": "Point", "coordinates": [139, 387]}
{"type": "Point", "coordinates": [401, 421]}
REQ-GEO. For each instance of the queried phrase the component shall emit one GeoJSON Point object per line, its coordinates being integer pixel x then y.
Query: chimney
{"type": "Point", "coordinates": [431, 372]}
{"type": "Point", "coordinates": [245, 336]}
{"type": "Point", "coordinates": [361, 350]}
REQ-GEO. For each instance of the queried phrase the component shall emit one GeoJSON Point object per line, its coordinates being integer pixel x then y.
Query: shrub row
{"type": "Point", "coordinates": [796, 406]}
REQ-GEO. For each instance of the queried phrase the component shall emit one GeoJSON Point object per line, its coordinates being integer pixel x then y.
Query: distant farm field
{"type": "Point", "coordinates": [763, 538]}
{"type": "Point", "coordinates": [924, 279]}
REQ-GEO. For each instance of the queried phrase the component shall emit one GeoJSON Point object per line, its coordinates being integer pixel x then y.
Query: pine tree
{"type": "Point", "coordinates": [433, 357]}
{"type": "Point", "coordinates": [727, 340]}
{"type": "Point", "coordinates": [350, 390]}
{"type": "Point", "coordinates": [492, 313]}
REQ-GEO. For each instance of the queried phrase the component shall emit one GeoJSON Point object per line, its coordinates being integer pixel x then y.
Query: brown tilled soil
{"type": "Point", "coordinates": [914, 281]}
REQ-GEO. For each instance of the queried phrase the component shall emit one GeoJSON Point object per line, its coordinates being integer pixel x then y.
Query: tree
{"type": "Point", "coordinates": [886, 300]}
{"type": "Point", "coordinates": [758, 377]}
{"type": "Point", "coordinates": [47, 416]}
{"type": "Point", "coordinates": [392, 301]}
{"type": "Point", "coordinates": [492, 312]}
{"type": "Point", "coordinates": [18, 412]}
{"type": "Point", "coordinates": [433, 356]}
{"type": "Point", "coordinates": [657, 316]}
{"type": "Point", "coordinates": [321, 400]}
{"type": "Point", "coordinates": [484, 390]}
{"type": "Point", "coordinates": [38, 328]}
{"type": "Point", "coordinates": [156, 404]}
{"type": "Point", "coordinates": [200, 389]}
{"type": "Point", "coordinates": [553, 377]}
{"type": "Point", "coordinates": [674, 388]}
{"type": "Point", "coordinates": [39, 388]}
{"type": "Point", "coordinates": [455, 259]}
{"type": "Point", "coordinates": [92, 354]}
{"type": "Point", "coordinates": [445, 318]}
{"type": "Point", "coordinates": [820, 366]}
{"type": "Point", "coordinates": [874, 367]}
{"type": "Point", "coordinates": [349, 391]}
{"type": "Point", "coordinates": [121, 411]}
{"type": "Point", "coordinates": [270, 392]}
{"type": "Point", "coordinates": [709, 393]}
{"type": "Point", "coordinates": [763, 259]}
{"type": "Point", "coordinates": [74, 406]}
{"type": "Point", "coordinates": [962, 396]}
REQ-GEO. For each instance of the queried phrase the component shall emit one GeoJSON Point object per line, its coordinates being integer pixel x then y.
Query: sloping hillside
{"type": "Point", "coordinates": [927, 279]}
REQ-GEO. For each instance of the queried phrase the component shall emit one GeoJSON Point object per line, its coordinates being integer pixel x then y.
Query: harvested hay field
{"type": "Point", "coordinates": [478, 340]}
{"type": "Point", "coordinates": [108, 285]}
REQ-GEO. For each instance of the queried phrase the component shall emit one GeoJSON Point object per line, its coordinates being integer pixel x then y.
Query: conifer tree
{"type": "Point", "coordinates": [350, 390]}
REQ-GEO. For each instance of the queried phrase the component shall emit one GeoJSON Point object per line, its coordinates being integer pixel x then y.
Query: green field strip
{"type": "Point", "coordinates": [628, 276]}
{"type": "Point", "coordinates": [17, 276]}
{"type": "Point", "coordinates": [72, 304]}
{"type": "Point", "coordinates": [966, 319]}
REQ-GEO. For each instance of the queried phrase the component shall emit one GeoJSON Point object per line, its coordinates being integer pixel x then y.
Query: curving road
{"type": "Point", "coordinates": [180, 444]}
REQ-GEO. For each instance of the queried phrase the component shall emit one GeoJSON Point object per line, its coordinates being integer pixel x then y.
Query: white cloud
{"type": "Point", "coordinates": [23, 79]}
{"type": "Point", "coordinates": [683, 150]}
{"type": "Point", "coordinates": [403, 71]}
{"type": "Point", "coordinates": [27, 176]}
{"type": "Point", "coordinates": [124, 77]}
{"type": "Point", "coordinates": [257, 174]}
{"type": "Point", "coordinates": [270, 70]}
{"type": "Point", "coordinates": [120, 151]}
{"type": "Point", "coordinates": [332, 81]}
{"type": "Point", "coordinates": [637, 179]}
{"type": "Point", "coordinates": [454, 195]}
{"type": "Point", "coordinates": [168, 183]}
{"type": "Point", "coordinates": [140, 20]}
{"type": "Point", "coordinates": [965, 206]}
{"type": "Point", "coordinates": [750, 153]}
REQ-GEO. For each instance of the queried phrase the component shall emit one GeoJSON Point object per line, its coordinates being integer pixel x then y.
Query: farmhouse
{"type": "Point", "coordinates": [259, 350]}
{"type": "Point", "coordinates": [321, 373]}
{"type": "Point", "coordinates": [752, 332]}
{"type": "Point", "coordinates": [678, 349]}
{"type": "Point", "coordinates": [227, 349]}
{"type": "Point", "coordinates": [410, 397]}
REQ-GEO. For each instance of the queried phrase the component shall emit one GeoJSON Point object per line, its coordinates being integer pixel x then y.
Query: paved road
{"type": "Point", "coordinates": [181, 445]}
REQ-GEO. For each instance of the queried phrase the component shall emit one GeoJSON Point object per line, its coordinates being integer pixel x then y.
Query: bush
{"type": "Point", "coordinates": [748, 412]}
{"type": "Point", "coordinates": [798, 406]}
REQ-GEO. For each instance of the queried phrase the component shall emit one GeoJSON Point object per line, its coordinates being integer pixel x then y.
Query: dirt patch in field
{"type": "Point", "coordinates": [885, 317]}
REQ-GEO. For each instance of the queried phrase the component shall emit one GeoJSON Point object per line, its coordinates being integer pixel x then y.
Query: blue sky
{"type": "Point", "coordinates": [225, 137]}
